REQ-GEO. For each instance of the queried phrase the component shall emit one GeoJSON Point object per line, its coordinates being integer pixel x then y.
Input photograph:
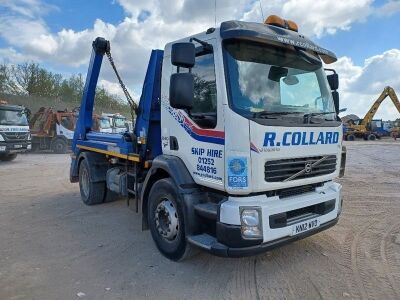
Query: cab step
{"type": "Point", "coordinates": [207, 210]}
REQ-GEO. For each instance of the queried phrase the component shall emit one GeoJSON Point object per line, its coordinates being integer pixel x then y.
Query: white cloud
{"type": "Point", "coordinates": [28, 36]}
{"type": "Point", "coordinates": [315, 18]}
{"type": "Point", "coordinates": [11, 56]}
{"type": "Point", "coordinates": [389, 8]}
{"type": "Point", "coordinates": [361, 85]}
{"type": "Point", "coordinates": [115, 89]}
{"type": "Point", "coordinates": [27, 8]}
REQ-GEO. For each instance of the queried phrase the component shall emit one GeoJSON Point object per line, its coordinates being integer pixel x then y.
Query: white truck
{"type": "Point", "coordinates": [101, 124]}
{"type": "Point", "coordinates": [236, 145]}
{"type": "Point", "coordinates": [14, 131]}
{"type": "Point", "coordinates": [117, 121]}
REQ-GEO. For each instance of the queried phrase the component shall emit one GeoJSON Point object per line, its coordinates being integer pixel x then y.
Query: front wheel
{"type": "Point", "coordinates": [8, 157]}
{"type": "Point", "coordinates": [166, 220]}
{"type": "Point", "coordinates": [371, 137]}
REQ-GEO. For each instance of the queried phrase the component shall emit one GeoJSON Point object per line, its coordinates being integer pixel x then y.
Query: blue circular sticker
{"type": "Point", "coordinates": [237, 166]}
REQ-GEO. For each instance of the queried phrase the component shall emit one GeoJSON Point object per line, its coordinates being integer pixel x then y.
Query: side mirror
{"type": "Point", "coordinates": [181, 90]}
{"type": "Point", "coordinates": [333, 80]}
{"type": "Point", "coordinates": [183, 55]}
{"type": "Point", "coordinates": [335, 96]}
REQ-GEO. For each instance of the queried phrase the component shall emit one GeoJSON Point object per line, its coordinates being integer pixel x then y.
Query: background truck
{"type": "Point", "coordinates": [118, 122]}
{"type": "Point", "coordinates": [236, 142]}
{"type": "Point", "coordinates": [52, 130]}
{"type": "Point", "coordinates": [14, 131]}
{"type": "Point", "coordinates": [101, 124]}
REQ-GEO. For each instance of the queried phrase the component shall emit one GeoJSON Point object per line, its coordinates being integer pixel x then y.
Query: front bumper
{"type": "Point", "coordinates": [279, 216]}
{"type": "Point", "coordinates": [211, 245]}
{"type": "Point", "coordinates": [15, 147]}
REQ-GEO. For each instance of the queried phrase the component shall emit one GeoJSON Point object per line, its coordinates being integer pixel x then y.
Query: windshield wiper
{"type": "Point", "coordinates": [307, 117]}
{"type": "Point", "coordinates": [272, 114]}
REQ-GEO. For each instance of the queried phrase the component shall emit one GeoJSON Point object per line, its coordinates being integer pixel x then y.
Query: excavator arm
{"type": "Point", "coordinates": [388, 91]}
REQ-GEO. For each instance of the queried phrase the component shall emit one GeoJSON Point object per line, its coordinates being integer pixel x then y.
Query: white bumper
{"type": "Point", "coordinates": [229, 210]}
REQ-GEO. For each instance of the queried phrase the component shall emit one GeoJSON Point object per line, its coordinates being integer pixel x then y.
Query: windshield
{"type": "Point", "coordinates": [119, 122]}
{"type": "Point", "coordinates": [105, 123]}
{"type": "Point", "coordinates": [13, 117]}
{"type": "Point", "coordinates": [68, 122]}
{"type": "Point", "coordinates": [275, 80]}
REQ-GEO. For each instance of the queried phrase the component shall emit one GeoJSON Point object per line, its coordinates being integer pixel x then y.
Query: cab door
{"type": "Point", "coordinates": [197, 135]}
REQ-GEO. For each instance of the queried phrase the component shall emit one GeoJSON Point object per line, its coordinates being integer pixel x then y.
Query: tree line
{"type": "Point", "coordinates": [31, 79]}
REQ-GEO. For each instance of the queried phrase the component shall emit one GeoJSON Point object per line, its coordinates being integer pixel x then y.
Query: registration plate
{"type": "Point", "coordinates": [305, 226]}
{"type": "Point", "coordinates": [17, 146]}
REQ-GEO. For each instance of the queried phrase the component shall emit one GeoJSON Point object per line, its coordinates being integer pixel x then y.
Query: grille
{"type": "Point", "coordinates": [294, 191]}
{"type": "Point", "coordinates": [15, 136]}
{"type": "Point", "coordinates": [305, 167]}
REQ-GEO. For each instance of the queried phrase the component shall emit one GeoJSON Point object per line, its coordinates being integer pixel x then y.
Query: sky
{"type": "Point", "coordinates": [364, 34]}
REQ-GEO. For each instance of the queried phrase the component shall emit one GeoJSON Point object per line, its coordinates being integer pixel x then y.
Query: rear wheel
{"type": "Point", "coordinates": [91, 192]}
{"type": "Point", "coordinates": [59, 146]}
{"type": "Point", "coordinates": [166, 220]}
{"type": "Point", "coordinates": [8, 157]}
{"type": "Point", "coordinates": [351, 137]}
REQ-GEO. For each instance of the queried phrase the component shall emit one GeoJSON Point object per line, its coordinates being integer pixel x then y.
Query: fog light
{"type": "Point", "coordinates": [251, 222]}
{"type": "Point", "coordinates": [2, 148]}
{"type": "Point", "coordinates": [29, 147]}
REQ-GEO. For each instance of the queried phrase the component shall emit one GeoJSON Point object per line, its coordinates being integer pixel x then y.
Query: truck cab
{"type": "Point", "coordinates": [101, 124]}
{"type": "Point", "coordinates": [14, 131]}
{"type": "Point", "coordinates": [117, 121]}
{"type": "Point", "coordinates": [236, 145]}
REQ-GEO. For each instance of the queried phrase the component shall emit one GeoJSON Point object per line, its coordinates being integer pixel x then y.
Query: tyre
{"type": "Point", "coordinates": [371, 137]}
{"type": "Point", "coordinates": [8, 157]}
{"type": "Point", "coordinates": [166, 220]}
{"type": "Point", "coordinates": [351, 137]}
{"type": "Point", "coordinates": [59, 146]}
{"type": "Point", "coordinates": [91, 192]}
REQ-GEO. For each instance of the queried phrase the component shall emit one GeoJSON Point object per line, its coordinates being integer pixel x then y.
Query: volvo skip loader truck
{"type": "Point", "coordinates": [236, 143]}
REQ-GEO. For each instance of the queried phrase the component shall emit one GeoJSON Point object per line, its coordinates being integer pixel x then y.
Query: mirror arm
{"type": "Point", "coordinates": [332, 70]}
{"type": "Point", "coordinates": [205, 45]}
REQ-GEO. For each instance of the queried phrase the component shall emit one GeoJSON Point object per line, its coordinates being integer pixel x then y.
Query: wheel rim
{"type": "Point", "coordinates": [85, 182]}
{"type": "Point", "coordinates": [166, 218]}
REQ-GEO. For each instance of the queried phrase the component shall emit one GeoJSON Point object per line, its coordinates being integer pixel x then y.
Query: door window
{"type": "Point", "coordinates": [204, 111]}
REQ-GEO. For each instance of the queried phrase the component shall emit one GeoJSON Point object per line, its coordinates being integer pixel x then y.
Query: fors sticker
{"type": "Point", "coordinates": [237, 172]}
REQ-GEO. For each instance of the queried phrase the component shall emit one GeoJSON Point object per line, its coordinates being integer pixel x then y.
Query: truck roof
{"type": "Point", "coordinates": [11, 107]}
{"type": "Point", "coordinates": [263, 33]}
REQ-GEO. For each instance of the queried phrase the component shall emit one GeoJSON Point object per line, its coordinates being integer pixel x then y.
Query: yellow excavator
{"type": "Point", "coordinates": [362, 128]}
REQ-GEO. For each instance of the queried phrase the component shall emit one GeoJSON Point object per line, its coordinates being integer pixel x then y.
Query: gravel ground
{"type": "Point", "coordinates": [54, 247]}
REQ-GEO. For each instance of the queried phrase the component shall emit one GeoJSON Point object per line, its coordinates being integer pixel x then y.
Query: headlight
{"type": "Point", "coordinates": [29, 137]}
{"type": "Point", "coordinates": [251, 222]}
{"type": "Point", "coordinates": [1, 138]}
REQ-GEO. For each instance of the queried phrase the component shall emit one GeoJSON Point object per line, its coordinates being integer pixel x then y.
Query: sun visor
{"type": "Point", "coordinates": [273, 35]}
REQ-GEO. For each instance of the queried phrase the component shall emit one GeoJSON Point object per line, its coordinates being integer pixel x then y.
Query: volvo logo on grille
{"type": "Point", "coordinates": [308, 167]}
